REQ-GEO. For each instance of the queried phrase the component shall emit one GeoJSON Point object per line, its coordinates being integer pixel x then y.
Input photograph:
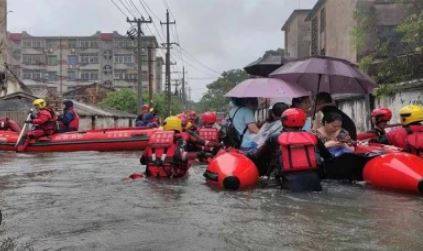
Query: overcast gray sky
{"type": "Point", "coordinates": [216, 35]}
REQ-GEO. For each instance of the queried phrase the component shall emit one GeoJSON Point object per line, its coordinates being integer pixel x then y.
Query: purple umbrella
{"type": "Point", "coordinates": [266, 88]}
{"type": "Point", "coordinates": [326, 74]}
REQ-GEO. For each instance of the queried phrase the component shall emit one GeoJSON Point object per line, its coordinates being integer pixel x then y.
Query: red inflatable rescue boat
{"type": "Point", "coordinates": [395, 171]}
{"type": "Point", "coordinates": [231, 170]}
{"type": "Point", "coordinates": [125, 139]}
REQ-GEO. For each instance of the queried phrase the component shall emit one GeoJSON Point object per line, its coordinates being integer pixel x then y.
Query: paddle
{"type": "Point", "coordinates": [22, 133]}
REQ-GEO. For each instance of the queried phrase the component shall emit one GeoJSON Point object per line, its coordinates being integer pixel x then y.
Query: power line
{"type": "Point", "coordinates": [126, 8]}
{"type": "Point", "coordinates": [117, 6]}
{"type": "Point", "coordinates": [199, 62]}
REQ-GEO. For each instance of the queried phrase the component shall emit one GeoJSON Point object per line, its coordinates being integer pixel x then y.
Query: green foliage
{"type": "Point", "coordinates": [214, 98]}
{"type": "Point", "coordinates": [393, 58]}
{"type": "Point", "coordinates": [124, 100]}
{"type": "Point", "coordinates": [385, 90]}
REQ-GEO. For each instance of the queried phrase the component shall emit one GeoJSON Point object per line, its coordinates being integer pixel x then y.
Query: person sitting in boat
{"type": "Point", "coordinates": [336, 139]}
{"type": "Point", "coordinates": [380, 118]}
{"type": "Point", "coordinates": [303, 103]}
{"type": "Point", "coordinates": [7, 124]}
{"type": "Point", "coordinates": [325, 105]}
{"type": "Point", "coordinates": [44, 122]}
{"type": "Point", "coordinates": [242, 118]}
{"type": "Point", "coordinates": [273, 124]}
{"type": "Point", "coordinates": [69, 120]}
{"type": "Point", "coordinates": [410, 135]}
{"type": "Point", "coordinates": [140, 120]}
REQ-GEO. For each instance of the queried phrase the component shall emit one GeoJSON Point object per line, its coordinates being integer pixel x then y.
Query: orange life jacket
{"type": "Point", "coordinates": [298, 150]}
{"type": "Point", "coordinates": [163, 158]}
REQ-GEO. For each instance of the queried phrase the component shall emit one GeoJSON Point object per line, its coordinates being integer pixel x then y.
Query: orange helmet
{"type": "Point", "coordinates": [294, 118]}
{"type": "Point", "coordinates": [208, 118]}
{"type": "Point", "coordinates": [381, 114]}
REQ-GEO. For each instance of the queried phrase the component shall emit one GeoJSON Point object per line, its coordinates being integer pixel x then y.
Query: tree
{"type": "Point", "coordinates": [126, 100]}
{"type": "Point", "coordinates": [214, 98]}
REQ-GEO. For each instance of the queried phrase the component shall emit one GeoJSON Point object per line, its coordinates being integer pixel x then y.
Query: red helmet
{"type": "Point", "coordinates": [294, 118]}
{"type": "Point", "coordinates": [208, 118]}
{"type": "Point", "coordinates": [382, 114]}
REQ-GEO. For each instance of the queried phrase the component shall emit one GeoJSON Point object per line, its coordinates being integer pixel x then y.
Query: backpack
{"type": "Point", "coordinates": [231, 136]}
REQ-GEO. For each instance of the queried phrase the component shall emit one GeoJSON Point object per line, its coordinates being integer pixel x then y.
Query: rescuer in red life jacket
{"type": "Point", "coordinates": [209, 132]}
{"type": "Point", "coordinates": [292, 153]}
{"type": "Point", "coordinates": [7, 124]}
{"type": "Point", "coordinates": [379, 118]}
{"type": "Point", "coordinates": [165, 155]}
{"type": "Point", "coordinates": [69, 120]}
{"type": "Point", "coordinates": [44, 122]}
{"type": "Point", "coordinates": [410, 135]}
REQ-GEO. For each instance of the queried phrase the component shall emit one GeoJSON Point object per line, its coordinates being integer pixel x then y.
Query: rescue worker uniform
{"type": "Point", "coordinates": [377, 134]}
{"type": "Point", "coordinates": [410, 135]}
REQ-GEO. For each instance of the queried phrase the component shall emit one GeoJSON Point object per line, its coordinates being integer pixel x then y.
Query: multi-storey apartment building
{"type": "Point", "coordinates": [65, 63]}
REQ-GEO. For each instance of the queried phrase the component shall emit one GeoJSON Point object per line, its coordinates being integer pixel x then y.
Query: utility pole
{"type": "Point", "coordinates": [168, 44]}
{"type": "Point", "coordinates": [61, 67]}
{"type": "Point", "coordinates": [150, 74]}
{"type": "Point", "coordinates": [139, 22]}
{"type": "Point", "coordinates": [184, 97]}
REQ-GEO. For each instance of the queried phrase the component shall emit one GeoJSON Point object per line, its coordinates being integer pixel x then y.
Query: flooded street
{"type": "Point", "coordinates": [80, 201]}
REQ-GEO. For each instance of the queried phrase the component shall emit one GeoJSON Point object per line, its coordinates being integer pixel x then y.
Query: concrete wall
{"type": "Point", "coordinates": [406, 93]}
{"type": "Point", "coordinates": [298, 36]}
{"type": "Point", "coordinates": [87, 122]}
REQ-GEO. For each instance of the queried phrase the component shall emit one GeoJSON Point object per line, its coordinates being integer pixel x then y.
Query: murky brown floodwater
{"type": "Point", "coordinates": [79, 201]}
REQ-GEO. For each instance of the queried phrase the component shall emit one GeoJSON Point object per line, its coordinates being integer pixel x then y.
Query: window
{"type": "Point", "coordinates": [72, 60]}
{"type": "Point", "coordinates": [132, 77]}
{"type": "Point", "coordinates": [52, 60]}
{"type": "Point", "coordinates": [72, 44]}
{"type": "Point", "coordinates": [27, 44]}
{"type": "Point", "coordinates": [124, 59]}
{"type": "Point", "coordinates": [108, 54]}
{"type": "Point", "coordinates": [34, 59]}
{"type": "Point", "coordinates": [89, 75]}
{"type": "Point", "coordinates": [120, 74]}
{"type": "Point", "coordinates": [89, 59]}
{"type": "Point", "coordinates": [33, 74]}
{"type": "Point", "coordinates": [322, 20]}
{"type": "Point", "coordinates": [52, 76]}
{"type": "Point", "coordinates": [125, 44]}
{"type": "Point", "coordinates": [72, 74]}
{"type": "Point", "coordinates": [37, 44]}
{"type": "Point", "coordinates": [314, 37]}
{"type": "Point", "coordinates": [85, 44]}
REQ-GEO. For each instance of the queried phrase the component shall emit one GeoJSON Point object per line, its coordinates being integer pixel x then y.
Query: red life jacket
{"type": "Point", "coordinates": [414, 140]}
{"type": "Point", "coordinates": [398, 137]}
{"type": "Point", "coordinates": [45, 120]}
{"type": "Point", "coordinates": [161, 159]}
{"type": "Point", "coordinates": [298, 151]}
{"type": "Point", "coordinates": [209, 134]}
{"type": "Point", "coordinates": [74, 124]}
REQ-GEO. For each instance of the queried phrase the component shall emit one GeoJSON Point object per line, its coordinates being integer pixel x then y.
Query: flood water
{"type": "Point", "coordinates": [80, 201]}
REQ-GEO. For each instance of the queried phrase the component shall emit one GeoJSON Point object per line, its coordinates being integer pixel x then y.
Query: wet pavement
{"type": "Point", "coordinates": [80, 201]}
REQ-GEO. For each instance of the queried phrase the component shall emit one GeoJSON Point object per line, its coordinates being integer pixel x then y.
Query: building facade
{"type": "Point", "coordinates": [332, 24]}
{"type": "Point", "coordinates": [297, 34]}
{"type": "Point", "coordinates": [67, 63]}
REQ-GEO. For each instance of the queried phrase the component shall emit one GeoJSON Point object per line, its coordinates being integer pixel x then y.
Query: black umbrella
{"type": "Point", "coordinates": [265, 65]}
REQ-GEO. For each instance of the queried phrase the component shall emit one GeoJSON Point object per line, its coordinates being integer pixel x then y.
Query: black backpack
{"type": "Point", "coordinates": [231, 136]}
